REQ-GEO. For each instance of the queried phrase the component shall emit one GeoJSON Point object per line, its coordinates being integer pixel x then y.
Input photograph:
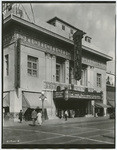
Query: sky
{"type": "Point", "coordinates": [96, 19]}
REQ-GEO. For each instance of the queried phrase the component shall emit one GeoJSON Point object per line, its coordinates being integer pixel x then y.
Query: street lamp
{"type": "Point", "coordinates": [42, 98]}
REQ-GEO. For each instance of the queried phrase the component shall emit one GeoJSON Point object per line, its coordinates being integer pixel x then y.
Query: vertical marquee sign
{"type": "Point", "coordinates": [17, 63]}
{"type": "Point", "coordinates": [77, 37]}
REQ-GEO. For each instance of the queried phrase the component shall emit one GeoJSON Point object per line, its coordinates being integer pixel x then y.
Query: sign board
{"type": "Point", "coordinates": [17, 63]}
{"type": "Point", "coordinates": [85, 95]}
{"type": "Point", "coordinates": [58, 94]}
{"type": "Point", "coordinates": [78, 95]}
{"type": "Point", "coordinates": [77, 37]}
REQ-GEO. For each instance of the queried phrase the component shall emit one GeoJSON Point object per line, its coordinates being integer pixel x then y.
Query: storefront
{"type": "Point", "coordinates": [110, 91]}
{"type": "Point", "coordinates": [99, 108]}
{"type": "Point", "coordinates": [31, 101]}
{"type": "Point", "coordinates": [6, 102]}
{"type": "Point", "coordinates": [77, 103]}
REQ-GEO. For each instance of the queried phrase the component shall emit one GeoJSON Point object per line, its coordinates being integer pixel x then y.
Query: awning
{"type": "Point", "coordinates": [110, 96]}
{"type": "Point", "coordinates": [6, 100]}
{"type": "Point", "coordinates": [111, 103]}
{"type": "Point", "coordinates": [101, 105]}
{"type": "Point", "coordinates": [31, 100]}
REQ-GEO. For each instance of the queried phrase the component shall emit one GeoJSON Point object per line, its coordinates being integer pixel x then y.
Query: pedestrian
{"type": "Point", "coordinates": [39, 118]}
{"type": "Point", "coordinates": [66, 115]}
{"type": "Point", "coordinates": [34, 116]}
{"type": "Point", "coordinates": [20, 116]}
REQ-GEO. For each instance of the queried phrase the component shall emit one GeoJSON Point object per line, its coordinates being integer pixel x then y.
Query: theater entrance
{"type": "Point", "coordinates": [78, 104]}
{"type": "Point", "coordinates": [75, 107]}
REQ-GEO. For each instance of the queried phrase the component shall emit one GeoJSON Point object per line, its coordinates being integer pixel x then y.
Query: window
{"type": "Point", "coordinates": [71, 31]}
{"type": "Point", "coordinates": [32, 66]}
{"type": "Point", "coordinates": [7, 65]}
{"type": "Point", "coordinates": [98, 80]}
{"type": "Point", "coordinates": [57, 72]}
{"type": "Point", "coordinates": [63, 27]}
{"type": "Point", "coordinates": [89, 40]}
{"type": "Point", "coordinates": [83, 80]}
{"type": "Point", "coordinates": [85, 38]}
{"type": "Point", "coordinates": [54, 24]}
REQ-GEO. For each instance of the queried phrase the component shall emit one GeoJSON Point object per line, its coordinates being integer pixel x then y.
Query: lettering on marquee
{"type": "Point", "coordinates": [78, 95]}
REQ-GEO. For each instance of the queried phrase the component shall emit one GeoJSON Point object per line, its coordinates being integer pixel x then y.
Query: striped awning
{"type": "Point", "coordinates": [101, 105]}
{"type": "Point", "coordinates": [111, 103]}
{"type": "Point", "coordinates": [6, 100]}
{"type": "Point", "coordinates": [31, 100]}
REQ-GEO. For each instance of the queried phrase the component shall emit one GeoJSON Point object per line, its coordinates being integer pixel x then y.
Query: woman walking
{"type": "Point", "coordinates": [66, 115]}
{"type": "Point", "coordinates": [39, 118]}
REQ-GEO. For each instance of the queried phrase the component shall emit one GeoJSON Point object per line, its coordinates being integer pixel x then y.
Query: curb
{"type": "Point", "coordinates": [56, 121]}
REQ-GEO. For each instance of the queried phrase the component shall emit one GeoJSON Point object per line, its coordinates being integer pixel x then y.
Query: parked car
{"type": "Point", "coordinates": [112, 115]}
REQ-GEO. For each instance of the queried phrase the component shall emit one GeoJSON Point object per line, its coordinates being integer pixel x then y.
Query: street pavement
{"type": "Point", "coordinates": [75, 132]}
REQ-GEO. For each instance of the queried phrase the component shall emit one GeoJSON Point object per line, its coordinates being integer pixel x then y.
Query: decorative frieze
{"type": "Point", "coordinates": [8, 38]}
{"type": "Point", "coordinates": [53, 86]}
{"type": "Point", "coordinates": [93, 63]}
{"type": "Point", "coordinates": [46, 47]}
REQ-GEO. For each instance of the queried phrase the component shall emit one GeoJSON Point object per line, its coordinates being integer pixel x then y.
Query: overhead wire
{"type": "Point", "coordinates": [25, 12]}
{"type": "Point", "coordinates": [32, 12]}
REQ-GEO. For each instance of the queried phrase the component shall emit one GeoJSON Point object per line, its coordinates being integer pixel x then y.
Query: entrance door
{"type": "Point", "coordinates": [82, 109]}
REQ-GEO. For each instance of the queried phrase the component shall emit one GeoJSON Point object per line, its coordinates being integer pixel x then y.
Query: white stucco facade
{"type": "Point", "coordinates": [47, 59]}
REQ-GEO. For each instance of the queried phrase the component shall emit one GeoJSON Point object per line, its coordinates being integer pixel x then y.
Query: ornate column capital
{"type": "Point", "coordinates": [53, 57]}
{"type": "Point", "coordinates": [47, 55]}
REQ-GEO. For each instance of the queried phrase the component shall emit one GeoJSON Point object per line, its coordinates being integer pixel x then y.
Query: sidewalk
{"type": "Point", "coordinates": [74, 120]}
{"type": "Point", "coordinates": [11, 122]}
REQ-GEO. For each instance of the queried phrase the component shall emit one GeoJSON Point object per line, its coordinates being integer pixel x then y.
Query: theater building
{"type": "Point", "coordinates": [54, 57]}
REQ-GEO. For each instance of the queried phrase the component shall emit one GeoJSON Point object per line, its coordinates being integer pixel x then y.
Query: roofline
{"type": "Point", "coordinates": [110, 73]}
{"type": "Point", "coordinates": [109, 58]}
{"type": "Point", "coordinates": [36, 27]}
{"type": "Point", "coordinates": [41, 29]}
{"type": "Point", "coordinates": [56, 18]}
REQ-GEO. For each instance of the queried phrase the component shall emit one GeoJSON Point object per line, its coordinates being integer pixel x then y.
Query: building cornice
{"type": "Point", "coordinates": [13, 17]}
{"type": "Point", "coordinates": [110, 73]}
{"type": "Point", "coordinates": [35, 27]}
{"type": "Point", "coordinates": [109, 58]}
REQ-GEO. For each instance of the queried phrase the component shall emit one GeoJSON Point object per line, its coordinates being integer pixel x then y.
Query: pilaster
{"type": "Point", "coordinates": [67, 71]}
{"type": "Point", "coordinates": [90, 77]}
{"type": "Point", "coordinates": [48, 66]}
{"type": "Point", "coordinates": [53, 62]}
